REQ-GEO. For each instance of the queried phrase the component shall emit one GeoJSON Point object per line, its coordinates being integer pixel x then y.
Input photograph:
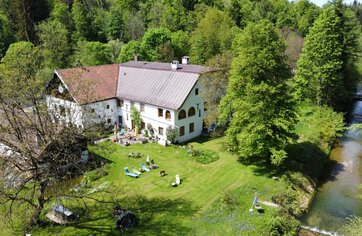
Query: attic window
{"type": "Point", "coordinates": [197, 91]}
{"type": "Point", "coordinates": [160, 112]}
{"type": "Point", "coordinates": [107, 107]}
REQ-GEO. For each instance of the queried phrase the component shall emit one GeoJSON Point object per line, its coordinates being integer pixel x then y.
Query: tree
{"type": "Point", "coordinates": [328, 57]}
{"type": "Point", "coordinates": [129, 50]}
{"type": "Point", "coordinates": [115, 23]}
{"type": "Point", "coordinates": [214, 84]}
{"type": "Point", "coordinates": [134, 26]}
{"type": "Point", "coordinates": [171, 134]}
{"type": "Point", "coordinates": [82, 22]}
{"type": "Point", "coordinates": [180, 44]}
{"type": "Point", "coordinates": [93, 53]}
{"type": "Point", "coordinates": [54, 40]}
{"type": "Point", "coordinates": [115, 47]}
{"type": "Point", "coordinates": [213, 35]}
{"type": "Point", "coordinates": [26, 15]}
{"type": "Point", "coordinates": [153, 42]}
{"type": "Point", "coordinates": [257, 104]}
{"type": "Point", "coordinates": [136, 119]}
{"type": "Point", "coordinates": [6, 34]}
{"type": "Point", "coordinates": [61, 14]}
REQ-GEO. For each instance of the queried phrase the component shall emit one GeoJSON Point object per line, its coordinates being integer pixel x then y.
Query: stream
{"type": "Point", "coordinates": [335, 199]}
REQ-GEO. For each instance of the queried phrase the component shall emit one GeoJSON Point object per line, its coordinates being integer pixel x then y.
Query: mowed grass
{"type": "Point", "coordinates": [212, 198]}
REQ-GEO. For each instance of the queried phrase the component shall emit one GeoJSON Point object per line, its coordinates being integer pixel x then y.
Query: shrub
{"type": "Point", "coordinates": [96, 174]}
{"type": "Point", "coordinates": [205, 156]}
{"type": "Point", "coordinates": [283, 224]}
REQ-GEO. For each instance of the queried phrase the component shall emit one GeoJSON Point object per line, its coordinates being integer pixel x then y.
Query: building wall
{"type": "Point", "coordinates": [195, 101]}
{"type": "Point", "coordinates": [110, 112]}
{"type": "Point", "coordinates": [103, 111]}
{"type": "Point", "coordinates": [149, 115]}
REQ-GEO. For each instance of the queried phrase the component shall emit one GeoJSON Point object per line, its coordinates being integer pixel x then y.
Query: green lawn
{"type": "Point", "coordinates": [213, 199]}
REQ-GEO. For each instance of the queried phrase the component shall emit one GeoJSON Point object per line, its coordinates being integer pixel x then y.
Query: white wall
{"type": "Point", "coordinates": [103, 111]}
{"type": "Point", "coordinates": [196, 102]}
{"type": "Point", "coordinates": [149, 116]}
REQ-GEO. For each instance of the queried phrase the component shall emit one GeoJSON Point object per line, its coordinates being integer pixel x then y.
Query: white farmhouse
{"type": "Point", "coordinates": [166, 95]}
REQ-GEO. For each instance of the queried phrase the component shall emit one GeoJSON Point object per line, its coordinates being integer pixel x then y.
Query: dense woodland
{"type": "Point", "coordinates": [294, 61]}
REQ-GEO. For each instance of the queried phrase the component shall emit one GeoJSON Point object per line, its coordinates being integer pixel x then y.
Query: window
{"type": "Point", "coordinates": [120, 103]}
{"type": "Point", "coordinates": [120, 120]}
{"type": "Point", "coordinates": [62, 110]}
{"type": "Point", "coordinates": [107, 106]}
{"type": "Point", "coordinates": [127, 116]}
{"type": "Point", "coordinates": [160, 130]}
{"type": "Point", "coordinates": [160, 112]}
{"type": "Point", "coordinates": [197, 91]}
{"type": "Point", "coordinates": [142, 107]}
{"type": "Point", "coordinates": [109, 121]}
{"type": "Point", "coordinates": [182, 114]}
{"type": "Point", "coordinates": [199, 113]}
{"type": "Point", "coordinates": [191, 127]}
{"type": "Point", "coordinates": [92, 110]}
{"type": "Point", "coordinates": [168, 115]}
{"type": "Point", "coordinates": [182, 131]}
{"type": "Point", "coordinates": [191, 111]}
{"type": "Point", "coordinates": [132, 105]}
{"type": "Point", "coordinates": [126, 107]}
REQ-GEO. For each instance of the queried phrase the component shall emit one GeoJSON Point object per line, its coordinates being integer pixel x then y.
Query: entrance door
{"type": "Point", "coordinates": [120, 120]}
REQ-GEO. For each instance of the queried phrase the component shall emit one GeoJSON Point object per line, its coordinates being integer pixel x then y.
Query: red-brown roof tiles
{"type": "Point", "coordinates": [92, 83]}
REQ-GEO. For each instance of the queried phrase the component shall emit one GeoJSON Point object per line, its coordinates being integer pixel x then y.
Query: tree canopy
{"type": "Point", "coordinates": [256, 104]}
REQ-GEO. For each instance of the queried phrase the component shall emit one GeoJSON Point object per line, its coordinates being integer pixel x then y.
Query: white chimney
{"type": "Point", "coordinates": [174, 65]}
{"type": "Point", "coordinates": [185, 60]}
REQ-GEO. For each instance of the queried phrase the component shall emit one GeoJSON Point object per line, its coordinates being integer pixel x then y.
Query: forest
{"type": "Point", "coordinates": [294, 61]}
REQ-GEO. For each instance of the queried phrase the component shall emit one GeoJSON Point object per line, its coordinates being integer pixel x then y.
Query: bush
{"type": "Point", "coordinates": [283, 224]}
{"type": "Point", "coordinates": [205, 156]}
{"type": "Point", "coordinates": [96, 174]}
{"type": "Point", "coordinates": [319, 125]}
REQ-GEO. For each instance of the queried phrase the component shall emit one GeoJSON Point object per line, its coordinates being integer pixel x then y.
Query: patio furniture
{"type": "Point", "coordinates": [144, 167]}
{"type": "Point", "coordinates": [127, 172]}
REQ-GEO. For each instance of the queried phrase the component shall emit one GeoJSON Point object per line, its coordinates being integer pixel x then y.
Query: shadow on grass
{"type": "Point", "coordinates": [304, 157]}
{"type": "Point", "coordinates": [157, 216]}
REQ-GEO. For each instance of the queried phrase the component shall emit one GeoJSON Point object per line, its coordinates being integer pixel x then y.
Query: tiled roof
{"type": "Point", "coordinates": [146, 82]}
{"type": "Point", "coordinates": [92, 83]}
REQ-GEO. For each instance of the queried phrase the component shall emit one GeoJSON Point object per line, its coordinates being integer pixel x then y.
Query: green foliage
{"type": "Point", "coordinates": [53, 36]}
{"type": "Point", "coordinates": [136, 117]}
{"type": "Point", "coordinates": [258, 83]}
{"type": "Point", "coordinates": [153, 42]}
{"type": "Point", "coordinates": [213, 35]}
{"type": "Point", "coordinates": [214, 84]}
{"type": "Point", "coordinates": [6, 34]}
{"type": "Point", "coordinates": [204, 156]}
{"type": "Point", "coordinates": [129, 50]}
{"type": "Point", "coordinates": [319, 125]}
{"type": "Point", "coordinates": [115, 23]}
{"type": "Point", "coordinates": [82, 22]}
{"type": "Point", "coordinates": [325, 68]}
{"type": "Point", "coordinates": [283, 224]}
{"type": "Point", "coordinates": [93, 53]}
{"type": "Point", "coordinates": [180, 44]}
{"type": "Point", "coordinates": [94, 175]}
{"type": "Point", "coordinates": [61, 14]}
{"type": "Point", "coordinates": [171, 134]}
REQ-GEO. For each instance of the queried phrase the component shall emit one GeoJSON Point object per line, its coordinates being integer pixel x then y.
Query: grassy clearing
{"type": "Point", "coordinates": [213, 198]}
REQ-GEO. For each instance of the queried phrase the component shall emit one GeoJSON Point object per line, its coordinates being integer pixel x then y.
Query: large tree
{"type": "Point", "coordinates": [213, 35]}
{"type": "Point", "coordinates": [328, 56]}
{"type": "Point", "coordinates": [35, 152]}
{"type": "Point", "coordinates": [257, 106]}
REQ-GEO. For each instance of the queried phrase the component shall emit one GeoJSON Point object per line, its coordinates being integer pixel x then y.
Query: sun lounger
{"type": "Point", "coordinates": [144, 167]}
{"type": "Point", "coordinates": [135, 171]}
{"type": "Point", "coordinates": [178, 181]}
{"type": "Point", "coordinates": [127, 172]}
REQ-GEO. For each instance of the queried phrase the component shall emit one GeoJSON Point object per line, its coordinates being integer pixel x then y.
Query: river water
{"type": "Point", "coordinates": [336, 195]}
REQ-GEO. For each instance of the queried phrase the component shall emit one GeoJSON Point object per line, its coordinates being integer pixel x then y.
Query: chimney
{"type": "Point", "coordinates": [135, 57]}
{"type": "Point", "coordinates": [185, 60]}
{"type": "Point", "coordinates": [174, 65]}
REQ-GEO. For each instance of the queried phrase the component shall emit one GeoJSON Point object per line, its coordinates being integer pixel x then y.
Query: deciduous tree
{"type": "Point", "coordinates": [257, 106]}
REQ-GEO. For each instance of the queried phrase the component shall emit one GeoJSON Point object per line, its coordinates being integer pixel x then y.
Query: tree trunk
{"type": "Point", "coordinates": [35, 219]}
